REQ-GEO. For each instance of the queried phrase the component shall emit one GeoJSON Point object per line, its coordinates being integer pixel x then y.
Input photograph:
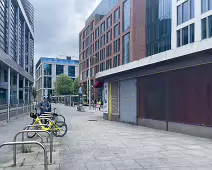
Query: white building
{"type": "Point", "coordinates": [47, 70]}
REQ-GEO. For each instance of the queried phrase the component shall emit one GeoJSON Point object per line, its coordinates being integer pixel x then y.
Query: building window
{"type": "Point", "coordinates": [97, 45]}
{"type": "Point", "coordinates": [102, 40]}
{"type": "Point", "coordinates": [116, 30]}
{"type": "Point", "coordinates": [47, 69]}
{"type": "Point", "coordinates": [185, 11]}
{"type": "Point", "coordinates": [102, 66]}
{"type": "Point", "coordinates": [109, 36]}
{"type": "Point", "coordinates": [59, 69]}
{"type": "Point", "coordinates": [116, 15]}
{"type": "Point", "coordinates": [109, 22]}
{"type": "Point", "coordinates": [210, 4]}
{"type": "Point", "coordinates": [210, 26]}
{"type": "Point", "coordinates": [108, 64]}
{"type": "Point", "coordinates": [116, 61]}
{"type": "Point", "coordinates": [97, 68]}
{"type": "Point", "coordinates": [158, 26]}
{"type": "Point", "coordinates": [126, 49]}
{"type": "Point", "coordinates": [103, 27]}
{"type": "Point", "coordinates": [92, 72]}
{"type": "Point", "coordinates": [185, 36]}
{"type": "Point", "coordinates": [191, 8]}
{"type": "Point", "coordinates": [204, 31]}
{"type": "Point", "coordinates": [192, 33]}
{"type": "Point", "coordinates": [97, 33]}
{"type": "Point", "coordinates": [47, 82]}
{"type": "Point", "coordinates": [71, 71]}
{"type": "Point", "coordinates": [102, 54]}
{"type": "Point", "coordinates": [92, 25]}
{"type": "Point", "coordinates": [97, 57]}
{"type": "Point", "coordinates": [179, 14]}
{"type": "Point", "coordinates": [188, 35]}
{"type": "Point", "coordinates": [109, 50]}
{"type": "Point", "coordinates": [204, 5]}
{"type": "Point", "coordinates": [117, 46]}
{"type": "Point", "coordinates": [92, 37]}
{"type": "Point", "coordinates": [126, 16]}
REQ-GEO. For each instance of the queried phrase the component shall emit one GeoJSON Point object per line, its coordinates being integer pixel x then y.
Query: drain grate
{"type": "Point", "coordinates": [92, 120]}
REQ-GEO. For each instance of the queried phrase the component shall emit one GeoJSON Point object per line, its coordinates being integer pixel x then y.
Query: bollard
{"type": "Point", "coordinates": [16, 111]}
{"type": "Point", "coordinates": [51, 143]}
{"type": "Point", "coordinates": [23, 108]}
{"type": "Point", "coordinates": [8, 113]}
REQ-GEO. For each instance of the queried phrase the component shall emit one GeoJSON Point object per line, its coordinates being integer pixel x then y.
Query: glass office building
{"type": "Point", "coordinates": [16, 50]}
{"type": "Point", "coordinates": [47, 71]}
{"type": "Point", "coordinates": [158, 26]}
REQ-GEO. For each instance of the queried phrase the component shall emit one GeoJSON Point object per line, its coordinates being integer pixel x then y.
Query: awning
{"type": "Point", "coordinates": [98, 84]}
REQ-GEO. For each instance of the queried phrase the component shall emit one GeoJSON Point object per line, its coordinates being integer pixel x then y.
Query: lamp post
{"type": "Point", "coordinates": [89, 82]}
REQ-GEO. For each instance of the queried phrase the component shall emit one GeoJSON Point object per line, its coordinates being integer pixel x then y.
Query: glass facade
{"type": "Point", "coordinates": [116, 15]}
{"type": "Point", "coordinates": [71, 71]}
{"type": "Point", "coordinates": [47, 82]}
{"type": "Point", "coordinates": [59, 69]}
{"type": "Point", "coordinates": [116, 30]}
{"type": "Point", "coordinates": [204, 31]}
{"type": "Point", "coordinates": [186, 35]}
{"type": "Point", "coordinates": [47, 69]}
{"type": "Point", "coordinates": [116, 46]}
{"type": "Point", "coordinates": [158, 26]}
{"type": "Point", "coordinates": [126, 49]}
{"type": "Point", "coordinates": [116, 61]}
{"type": "Point", "coordinates": [2, 24]}
{"type": "Point", "coordinates": [126, 16]}
{"type": "Point", "coordinates": [207, 27]}
{"type": "Point", "coordinates": [206, 5]}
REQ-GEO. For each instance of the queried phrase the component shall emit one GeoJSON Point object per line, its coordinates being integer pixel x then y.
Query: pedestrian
{"type": "Point", "coordinates": [95, 104]}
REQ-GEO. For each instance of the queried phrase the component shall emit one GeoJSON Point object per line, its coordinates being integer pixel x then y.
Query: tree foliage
{"type": "Point", "coordinates": [64, 85]}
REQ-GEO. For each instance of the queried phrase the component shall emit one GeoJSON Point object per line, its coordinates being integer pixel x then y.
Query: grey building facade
{"type": "Point", "coordinates": [47, 71]}
{"type": "Point", "coordinates": [16, 51]}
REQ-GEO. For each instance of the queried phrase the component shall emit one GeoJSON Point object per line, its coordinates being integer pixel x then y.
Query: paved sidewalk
{"type": "Point", "coordinates": [92, 143]}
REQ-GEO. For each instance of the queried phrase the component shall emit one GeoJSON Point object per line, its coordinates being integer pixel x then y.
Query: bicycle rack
{"type": "Point", "coordinates": [38, 125]}
{"type": "Point", "coordinates": [28, 142]}
{"type": "Point", "coordinates": [36, 131]}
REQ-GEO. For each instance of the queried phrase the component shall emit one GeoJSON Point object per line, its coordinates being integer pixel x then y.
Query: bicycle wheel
{"type": "Point", "coordinates": [62, 129]}
{"type": "Point", "coordinates": [60, 118]}
{"type": "Point", "coordinates": [31, 134]}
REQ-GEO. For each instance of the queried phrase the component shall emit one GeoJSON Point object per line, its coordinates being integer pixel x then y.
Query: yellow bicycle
{"type": "Point", "coordinates": [59, 127]}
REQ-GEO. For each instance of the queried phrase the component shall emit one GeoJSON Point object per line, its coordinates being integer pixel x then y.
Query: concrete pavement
{"type": "Point", "coordinates": [92, 143]}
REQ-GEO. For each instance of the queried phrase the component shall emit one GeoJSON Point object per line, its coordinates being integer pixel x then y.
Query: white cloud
{"type": "Point", "coordinates": [57, 25]}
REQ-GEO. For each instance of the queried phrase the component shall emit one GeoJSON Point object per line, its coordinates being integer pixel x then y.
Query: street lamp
{"type": "Point", "coordinates": [90, 80]}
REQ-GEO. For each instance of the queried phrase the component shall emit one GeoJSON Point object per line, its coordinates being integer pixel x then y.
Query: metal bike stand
{"type": "Point", "coordinates": [38, 131]}
{"type": "Point", "coordinates": [28, 142]}
{"type": "Point", "coordinates": [38, 125]}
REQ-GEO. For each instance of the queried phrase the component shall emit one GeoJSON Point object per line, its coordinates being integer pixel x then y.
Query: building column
{"type": "Point", "coordinates": [18, 35]}
{"type": "Point", "coordinates": [9, 26]}
{"type": "Point", "coordinates": [24, 42]}
{"type": "Point", "coordinates": [17, 88]}
{"type": "Point", "coordinates": [24, 80]}
{"type": "Point", "coordinates": [28, 91]}
{"type": "Point", "coordinates": [8, 95]}
{"type": "Point", "coordinates": [29, 54]}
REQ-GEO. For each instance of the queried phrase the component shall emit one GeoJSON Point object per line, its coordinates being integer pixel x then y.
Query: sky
{"type": "Point", "coordinates": [57, 26]}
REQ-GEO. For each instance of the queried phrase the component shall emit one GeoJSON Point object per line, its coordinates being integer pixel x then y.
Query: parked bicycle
{"type": "Point", "coordinates": [51, 119]}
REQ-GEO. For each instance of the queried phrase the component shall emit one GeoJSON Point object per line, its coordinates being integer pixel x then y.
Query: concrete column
{"type": "Point", "coordinates": [8, 26]}
{"type": "Point", "coordinates": [28, 90]}
{"type": "Point", "coordinates": [29, 54]}
{"type": "Point", "coordinates": [24, 80]}
{"type": "Point", "coordinates": [24, 42]}
{"type": "Point", "coordinates": [8, 95]}
{"type": "Point", "coordinates": [17, 35]}
{"type": "Point", "coordinates": [17, 88]}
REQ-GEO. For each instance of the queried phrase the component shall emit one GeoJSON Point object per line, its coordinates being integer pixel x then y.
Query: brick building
{"type": "Point", "coordinates": [113, 35]}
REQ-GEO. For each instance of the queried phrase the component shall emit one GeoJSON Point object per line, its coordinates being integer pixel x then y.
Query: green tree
{"type": "Point", "coordinates": [63, 85]}
{"type": "Point", "coordinates": [75, 86]}
{"type": "Point", "coordinates": [34, 93]}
